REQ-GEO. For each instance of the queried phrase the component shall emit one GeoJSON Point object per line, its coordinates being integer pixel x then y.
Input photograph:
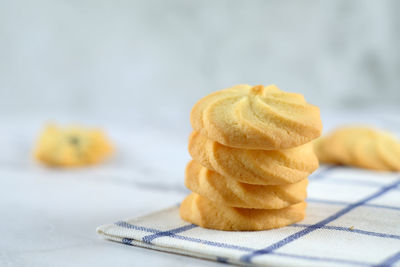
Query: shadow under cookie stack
{"type": "Point", "coordinates": [252, 155]}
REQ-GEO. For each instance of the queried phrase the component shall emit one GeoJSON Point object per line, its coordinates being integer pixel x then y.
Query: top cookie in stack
{"type": "Point", "coordinates": [259, 117]}
{"type": "Point", "coordinates": [251, 158]}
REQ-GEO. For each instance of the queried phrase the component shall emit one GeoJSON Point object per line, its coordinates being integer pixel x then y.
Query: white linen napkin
{"type": "Point", "coordinates": [353, 218]}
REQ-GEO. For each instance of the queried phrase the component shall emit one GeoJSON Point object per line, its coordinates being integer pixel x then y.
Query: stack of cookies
{"type": "Point", "coordinates": [252, 154]}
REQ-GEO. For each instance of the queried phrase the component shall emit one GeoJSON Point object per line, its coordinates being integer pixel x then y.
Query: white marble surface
{"type": "Point", "coordinates": [49, 216]}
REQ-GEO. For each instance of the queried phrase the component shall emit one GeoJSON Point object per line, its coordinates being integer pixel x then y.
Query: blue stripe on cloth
{"type": "Point", "coordinates": [195, 240]}
{"type": "Point", "coordinates": [351, 230]}
{"type": "Point", "coordinates": [248, 257]}
{"type": "Point", "coordinates": [128, 241]}
{"type": "Point", "coordinates": [131, 226]}
{"type": "Point", "coordinates": [334, 202]}
{"type": "Point", "coordinates": [222, 259]}
{"type": "Point", "coordinates": [390, 261]}
{"type": "Point", "coordinates": [212, 243]}
{"type": "Point", "coordinates": [149, 238]}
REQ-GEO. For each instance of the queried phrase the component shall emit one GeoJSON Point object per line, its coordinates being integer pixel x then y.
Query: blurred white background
{"type": "Point", "coordinates": [135, 68]}
{"type": "Point", "coordinates": [154, 58]}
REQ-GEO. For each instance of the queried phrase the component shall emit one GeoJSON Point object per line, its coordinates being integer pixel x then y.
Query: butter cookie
{"type": "Point", "coordinates": [256, 117]}
{"type": "Point", "coordinates": [263, 167]}
{"type": "Point", "coordinates": [362, 147]}
{"type": "Point", "coordinates": [205, 213]}
{"type": "Point", "coordinates": [72, 146]}
{"type": "Point", "coordinates": [232, 193]}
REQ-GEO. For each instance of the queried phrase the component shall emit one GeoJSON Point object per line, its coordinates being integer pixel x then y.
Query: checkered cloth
{"type": "Point", "coordinates": [353, 218]}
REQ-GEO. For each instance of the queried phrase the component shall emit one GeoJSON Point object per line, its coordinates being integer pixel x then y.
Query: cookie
{"type": "Point", "coordinates": [229, 192]}
{"type": "Point", "coordinates": [205, 213]}
{"type": "Point", "coordinates": [388, 149]}
{"type": "Point", "coordinates": [363, 151]}
{"type": "Point", "coordinates": [72, 146]}
{"type": "Point", "coordinates": [362, 147]}
{"type": "Point", "coordinates": [340, 143]}
{"type": "Point", "coordinates": [256, 117]}
{"type": "Point", "coordinates": [319, 149]}
{"type": "Point", "coordinates": [263, 167]}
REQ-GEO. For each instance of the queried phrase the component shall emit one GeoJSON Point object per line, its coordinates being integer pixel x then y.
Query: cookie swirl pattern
{"type": "Point", "coordinates": [205, 213]}
{"type": "Point", "coordinates": [262, 167]}
{"type": "Point", "coordinates": [362, 147]}
{"type": "Point", "coordinates": [259, 117]}
{"type": "Point", "coordinates": [229, 192]}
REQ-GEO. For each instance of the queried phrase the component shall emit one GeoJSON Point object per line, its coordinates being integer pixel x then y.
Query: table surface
{"type": "Point", "coordinates": [49, 216]}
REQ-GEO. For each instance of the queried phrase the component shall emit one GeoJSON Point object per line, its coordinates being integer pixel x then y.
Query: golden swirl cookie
{"type": "Point", "coordinates": [232, 193]}
{"type": "Point", "coordinates": [256, 117]}
{"type": "Point", "coordinates": [362, 147]}
{"type": "Point", "coordinates": [319, 149]}
{"type": "Point", "coordinates": [72, 146]}
{"type": "Point", "coordinates": [205, 213]}
{"type": "Point", "coordinates": [263, 167]}
{"type": "Point", "coordinates": [388, 149]}
{"type": "Point", "coordinates": [364, 151]}
{"type": "Point", "coordinates": [339, 145]}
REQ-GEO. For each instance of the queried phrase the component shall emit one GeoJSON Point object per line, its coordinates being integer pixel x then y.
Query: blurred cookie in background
{"type": "Point", "coordinates": [72, 146]}
{"type": "Point", "coordinates": [360, 146]}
